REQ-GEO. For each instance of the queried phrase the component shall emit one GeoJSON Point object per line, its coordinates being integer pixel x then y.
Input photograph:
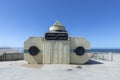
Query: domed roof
{"type": "Point", "coordinates": [58, 27]}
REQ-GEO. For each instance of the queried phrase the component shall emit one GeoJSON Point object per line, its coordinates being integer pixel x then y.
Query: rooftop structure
{"type": "Point", "coordinates": [57, 27]}
{"type": "Point", "coordinates": [56, 47]}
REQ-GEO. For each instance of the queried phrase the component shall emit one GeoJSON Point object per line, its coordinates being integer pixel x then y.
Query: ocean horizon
{"type": "Point", "coordinates": [105, 50]}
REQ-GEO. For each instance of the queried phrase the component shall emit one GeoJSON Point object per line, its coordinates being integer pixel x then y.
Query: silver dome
{"type": "Point", "coordinates": [57, 27]}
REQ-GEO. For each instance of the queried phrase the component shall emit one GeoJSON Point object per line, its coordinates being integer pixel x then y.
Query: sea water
{"type": "Point", "coordinates": [106, 50]}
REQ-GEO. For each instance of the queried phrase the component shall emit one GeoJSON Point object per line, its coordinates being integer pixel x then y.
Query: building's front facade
{"type": "Point", "coordinates": [56, 47]}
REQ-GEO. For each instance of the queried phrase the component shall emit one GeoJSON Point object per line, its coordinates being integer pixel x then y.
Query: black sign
{"type": "Point", "coordinates": [56, 36]}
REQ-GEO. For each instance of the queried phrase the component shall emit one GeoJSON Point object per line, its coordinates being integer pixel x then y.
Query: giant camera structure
{"type": "Point", "coordinates": [56, 47]}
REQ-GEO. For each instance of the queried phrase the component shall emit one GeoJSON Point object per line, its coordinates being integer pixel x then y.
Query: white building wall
{"type": "Point", "coordinates": [34, 41]}
{"type": "Point", "coordinates": [74, 43]}
{"type": "Point", "coordinates": [56, 52]}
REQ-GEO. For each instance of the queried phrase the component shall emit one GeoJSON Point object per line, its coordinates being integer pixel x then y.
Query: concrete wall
{"type": "Point", "coordinates": [76, 42]}
{"type": "Point", "coordinates": [34, 41]}
{"type": "Point", "coordinates": [11, 56]}
{"type": "Point", "coordinates": [56, 52]}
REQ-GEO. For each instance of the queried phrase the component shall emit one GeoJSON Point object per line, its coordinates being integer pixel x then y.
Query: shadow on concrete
{"type": "Point", "coordinates": [92, 62]}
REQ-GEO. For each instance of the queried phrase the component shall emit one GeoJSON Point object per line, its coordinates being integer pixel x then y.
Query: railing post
{"type": "Point", "coordinates": [111, 56]}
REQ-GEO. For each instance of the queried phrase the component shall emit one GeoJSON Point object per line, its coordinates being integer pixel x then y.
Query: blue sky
{"type": "Point", "coordinates": [96, 20]}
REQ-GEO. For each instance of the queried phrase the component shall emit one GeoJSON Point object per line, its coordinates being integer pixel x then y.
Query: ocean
{"type": "Point", "coordinates": [106, 50]}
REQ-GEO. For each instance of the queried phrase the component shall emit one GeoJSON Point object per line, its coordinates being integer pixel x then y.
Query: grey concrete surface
{"type": "Point", "coordinates": [94, 70]}
{"type": "Point", "coordinates": [11, 56]}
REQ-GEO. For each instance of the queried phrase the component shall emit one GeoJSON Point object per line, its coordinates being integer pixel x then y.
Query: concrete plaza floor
{"type": "Point", "coordinates": [94, 70]}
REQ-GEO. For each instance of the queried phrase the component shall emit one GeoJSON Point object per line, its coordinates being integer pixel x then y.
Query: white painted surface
{"type": "Point", "coordinates": [20, 70]}
{"type": "Point", "coordinates": [34, 41]}
{"type": "Point", "coordinates": [76, 42]}
{"type": "Point", "coordinates": [56, 52]}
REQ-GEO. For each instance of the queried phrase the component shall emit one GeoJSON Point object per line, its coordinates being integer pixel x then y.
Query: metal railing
{"type": "Point", "coordinates": [102, 56]}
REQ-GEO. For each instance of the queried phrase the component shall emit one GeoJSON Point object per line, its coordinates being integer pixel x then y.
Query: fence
{"type": "Point", "coordinates": [102, 55]}
{"type": "Point", "coordinates": [11, 56]}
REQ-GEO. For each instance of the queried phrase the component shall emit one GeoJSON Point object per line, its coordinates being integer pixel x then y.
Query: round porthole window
{"type": "Point", "coordinates": [80, 51]}
{"type": "Point", "coordinates": [33, 50]}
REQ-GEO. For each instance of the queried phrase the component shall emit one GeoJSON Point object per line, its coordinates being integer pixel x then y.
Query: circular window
{"type": "Point", "coordinates": [80, 51]}
{"type": "Point", "coordinates": [34, 50]}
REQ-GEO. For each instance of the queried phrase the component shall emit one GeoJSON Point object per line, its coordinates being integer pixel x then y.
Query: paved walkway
{"type": "Point", "coordinates": [98, 70]}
